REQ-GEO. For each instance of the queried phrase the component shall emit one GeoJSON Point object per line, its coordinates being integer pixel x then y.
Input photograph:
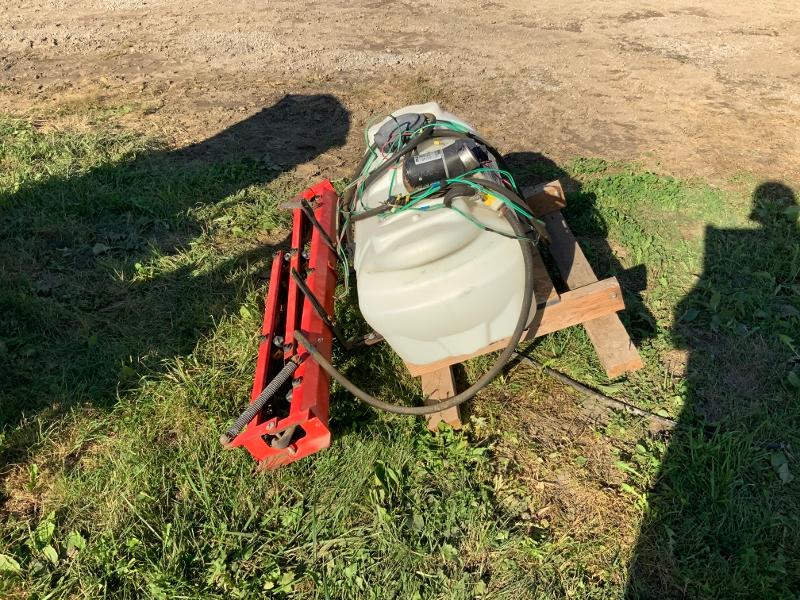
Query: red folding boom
{"type": "Point", "coordinates": [294, 423]}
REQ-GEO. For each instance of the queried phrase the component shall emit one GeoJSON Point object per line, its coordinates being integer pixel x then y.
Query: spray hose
{"type": "Point", "coordinates": [526, 245]}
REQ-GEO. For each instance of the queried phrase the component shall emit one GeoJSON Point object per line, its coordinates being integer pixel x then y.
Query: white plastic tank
{"type": "Point", "coordinates": [433, 282]}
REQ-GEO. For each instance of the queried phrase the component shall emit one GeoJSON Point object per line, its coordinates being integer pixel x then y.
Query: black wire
{"type": "Point", "coordinates": [485, 227]}
{"type": "Point", "coordinates": [517, 201]}
{"type": "Point", "coordinates": [349, 195]}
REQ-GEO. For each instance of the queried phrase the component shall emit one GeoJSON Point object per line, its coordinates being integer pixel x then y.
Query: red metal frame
{"type": "Point", "coordinates": [285, 310]}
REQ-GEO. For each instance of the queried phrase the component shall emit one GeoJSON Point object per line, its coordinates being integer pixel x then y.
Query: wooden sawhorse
{"type": "Point", "coordinates": [588, 302]}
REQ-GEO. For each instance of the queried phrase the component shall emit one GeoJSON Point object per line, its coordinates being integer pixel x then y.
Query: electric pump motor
{"type": "Point", "coordinates": [443, 163]}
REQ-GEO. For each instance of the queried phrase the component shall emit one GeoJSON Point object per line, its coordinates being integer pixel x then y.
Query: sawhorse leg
{"type": "Point", "coordinates": [437, 386]}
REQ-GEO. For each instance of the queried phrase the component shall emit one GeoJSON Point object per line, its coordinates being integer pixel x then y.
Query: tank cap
{"type": "Point", "coordinates": [397, 125]}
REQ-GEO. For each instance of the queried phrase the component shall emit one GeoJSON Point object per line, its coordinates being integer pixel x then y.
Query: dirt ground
{"type": "Point", "coordinates": [709, 89]}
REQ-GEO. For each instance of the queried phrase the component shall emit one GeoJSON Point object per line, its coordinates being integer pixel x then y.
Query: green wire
{"type": "Point", "coordinates": [360, 188]}
{"type": "Point", "coordinates": [512, 205]}
{"type": "Point", "coordinates": [391, 182]}
{"type": "Point", "coordinates": [429, 191]}
{"type": "Point", "coordinates": [398, 143]}
{"type": "Point", "coordinates": [508, 175]}
{"type": "Point", "coordinates": [480, 225]}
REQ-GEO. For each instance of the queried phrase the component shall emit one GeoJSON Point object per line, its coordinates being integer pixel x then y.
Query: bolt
{"type": "Point", "coordinates": [278, 340]}
{"type": "Point", "coordinates": [271, 425]}
{"type": "Point", "coordinates": [305, 254]}
{"type": "Point", "coordinates": [296, 382]}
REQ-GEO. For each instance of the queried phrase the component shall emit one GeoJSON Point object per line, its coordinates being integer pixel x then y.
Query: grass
{"type": "Point", "coordinates": [132, 276]}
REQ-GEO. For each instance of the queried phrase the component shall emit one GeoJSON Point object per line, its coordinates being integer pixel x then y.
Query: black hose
{"type": "Point", "coordinates": [389, 162]}
{"type": "Point", "coordinates": [515, 199]}
{"type": "Point", "coordinates": [500, 363]}
{"type": "Point", "coordinates": [349, 195]}
{"type": "Point", "coordinates": [268, 392]}
{"type": "Point", "coordinates": [282, 440]}
{"type": "Point", "coordinates": [426, 133]}
{"type": "Point", "coordinates": [372, 212]}
{"type": "Point", "coordinates": [608, 402]}
{"type": "Point", "coordinates": [429, 132]}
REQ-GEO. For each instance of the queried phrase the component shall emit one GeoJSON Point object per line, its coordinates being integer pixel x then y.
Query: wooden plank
{"type": "Point", "coordinates": [567, 254]}
{"type": "Point", "coordinates": [616, 351]}
{"type": "Point", "coordinates": [545, 198]}
{"type": "Point", "coordinates": [543, 290]}
{"type": "Point", "coordinates": [439, 385]}
{"type": "Point", "coordinates": [576, 306]}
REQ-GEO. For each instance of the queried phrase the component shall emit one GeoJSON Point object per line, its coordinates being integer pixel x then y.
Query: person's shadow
{"type": "Point", "coordinates": [721, 520]}
{"type": "Point", "coordinates": [101, 275]}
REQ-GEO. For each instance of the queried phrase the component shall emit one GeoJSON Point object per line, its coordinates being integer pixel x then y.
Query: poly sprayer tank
{"type": "Point", "coordinates": [435, 283]}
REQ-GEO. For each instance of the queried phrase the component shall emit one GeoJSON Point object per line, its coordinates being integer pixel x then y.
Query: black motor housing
{"type": "Point", "coordinates": [437, 165]}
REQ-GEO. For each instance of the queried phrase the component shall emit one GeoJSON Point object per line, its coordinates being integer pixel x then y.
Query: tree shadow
{"type": "Point", "coordinates": [101, 275]}
{"type": "Point", "coordinates": [721, 520]}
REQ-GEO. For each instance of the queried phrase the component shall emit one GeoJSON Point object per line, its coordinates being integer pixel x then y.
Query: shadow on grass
{"type": "Point", "coordinates": [532, 168]}
{"type": "Point", "coordinates": [721, 521]}
{"type": "Point", "coordinates": [106, 273]}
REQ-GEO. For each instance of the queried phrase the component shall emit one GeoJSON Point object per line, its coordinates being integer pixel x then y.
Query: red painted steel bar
{"type": "Point", "coordinates": [285, 310]}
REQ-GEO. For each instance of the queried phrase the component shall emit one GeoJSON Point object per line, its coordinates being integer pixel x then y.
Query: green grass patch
{"type": "Point", "coordinates": [132, 278]}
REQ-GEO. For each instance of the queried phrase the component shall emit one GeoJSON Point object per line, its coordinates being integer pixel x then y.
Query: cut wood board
{"type": "Point", "coordinates": [439, 385]}
{"type": "Point", "coordinates": [545, 198]}
{"type": "Point", "coordinates": [616, 351]}
{"type": "Point", "coordinates": [573, 307]}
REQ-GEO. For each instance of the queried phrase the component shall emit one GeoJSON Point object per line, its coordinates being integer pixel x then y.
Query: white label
{"type": "Point", "coordinates": [428, 157]}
